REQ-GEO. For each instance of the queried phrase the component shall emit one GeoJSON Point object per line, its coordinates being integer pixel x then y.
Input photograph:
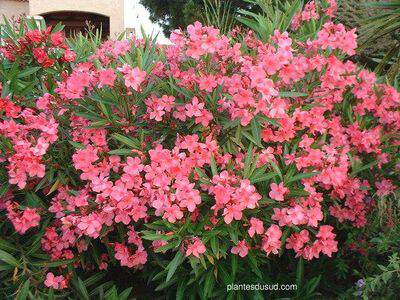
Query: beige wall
{"type": "Point", "coordinates": [12, 9]}
{"type": "Point", "coordinates": [114, 9]}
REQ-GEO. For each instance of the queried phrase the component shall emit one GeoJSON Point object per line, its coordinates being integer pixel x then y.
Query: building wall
{"type": "Point", "coordinates": [13, 9]}
{"type": "Point", "coordinates": [114, 9]}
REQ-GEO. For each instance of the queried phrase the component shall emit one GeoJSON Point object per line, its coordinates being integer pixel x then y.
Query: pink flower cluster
{"type": "Point", "coordinates": [195, 248]}
{"type": "Point", "coordinates": [325, 243]}
{"type": "Point", "coordinates": [221, 132]}
{"type": "Point", "coordinates": [310, 12]}
{"type": "Point", "coordinates": [271, 242]}
{"type": "Point", "coordinates": [55, 282]}
{"type": "Point", "coordinates": [30, 134]}
{"type": "Point", "coordinates": [123, 254]}
{"type": "Point", "coordinates": [233, 196]}
{"type": "Point", "coordinates": [22, 219]}
{"type": "Point", "coordinates": [42, 45]}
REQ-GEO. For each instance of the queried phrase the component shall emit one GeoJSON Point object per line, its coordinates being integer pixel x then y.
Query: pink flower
{"type": "Point", "coordinates": [125, 257]}
{"type": "Point", "coordinates": [205, 118]}
{"type": "Point", "coordinates": [314, 215]}
{"type": "Point", "coordinates": [106, 77]}
{"type": "Point", "coordinates": [325, 232]}
{"type": "Point", "coordinates": [33, 36]}
{"type": "Point", "coordinates": [195, 248]}
{"type": "Point", "coordinates": [133, 166]}
{"type": "Point", "coordinates": [278, 191]}
{"type": "Point", "coordinates": [326, 240]}
{"type": "Point", "coordinates": [296, 241]}
{"type": "Point", "coordinates": [207, 83]}
{"type": "Point", "coordinates": [134, 78]}
{"type": "Point", "coordinates": [271, 240]}
{"type": "Point", "coordinates": [195, 108]}
{"type": "Point", "coordinates": [57, 38]}
{"type": "Point", "coordinates": [69, 55]}
{"type": "Point", "coordinates": [158, 243]}
{"type": "Point", "coordinates": [42, 57]}
{"type": "Point", "coordinates": [158, 107]}
{"type": "Point", "coordinates": [55, 282]}
{"type": "Point", "coordinates": [44, 101]}
{"type": "Point", "coordinates": [186, 194]}
{"type": "Point", "coordinates": [384, 187]}
{"type": "Point", "coordinates": [83, 159]}
{"type": "Point", "coordinates": [256, 227]}
{"type": "Point", "coordinates": [240, 249]}
{"type": "Point", "coordinates": [22, 220]}
{"type": "Point", "coordinates": [90, 225]}
{"type": "Point", "coordinates": [232, 212]}
{"type": "Point", "coordinates": [173, 213]}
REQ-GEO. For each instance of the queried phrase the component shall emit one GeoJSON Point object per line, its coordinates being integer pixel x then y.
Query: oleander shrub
{"type": "Point", "coordinates": [214, 160]}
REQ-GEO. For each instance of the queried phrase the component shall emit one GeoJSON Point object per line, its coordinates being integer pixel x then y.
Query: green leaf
{"type": "Point", "coordinates": [250, 137]}
{"type": "Point", "coordinates": [8, 258]}
{"type": "Point", "coordinates": [121, 152]}
{"type": "Point", "coordinates": [112, 294]}
{"type": "Point", "coordinates": [180, 90]}
{"type": "Point", "coordinates": [270, 121]}
{"type": "Point", "coordinates": [209, 284]}
{"type": "Point", "coordinates": [173, 265]}
{"type": "Point", "coordinates": [81, 289]}
{"type": "Point", "coordinates": [292, 94]}
{"type": "Point", "coordinates": [28, 71]}
{"type": "Point", "coordinates": [164, 285]}
{"type": "Point", "coordinates": [276, 168]}
{"type": "Point", "coordinates": [202, 176]}
{"type": "Point", "coordinates": [248, 161]}
{"type": "Point", "coordinates": [23, 292]}
{"type": "Point", "coordinates": [94, 279]}
{"type": "Point", "coordinates": [263, 177]}
{"type": "Point", "coordinates": [169, 246]}
{"type": "Point", "coordinates": [313, 284]}
{"type": "Point", "coordinates": [214, 169]}
{"type": "Point", "coordinates": [50, 295]}
{"type": "Point", "coordinates": [6, 267]}
{"type": "Point", "coordinates": [5, 245]}
{"type": "Point", "coordinates": [234, 265]}
{"type": "Point", "coordinates": [214, 245]}
{"type": "Point", "coordinates": [233, 233]}
{"type": "Point", "coordinates": [53, 264]}
{"type": "Point", "coordinates": [125, 294]}
{"type": "Point", "coordinates": [300, 272]}
{"type": "Point", "coordinates": [133, 143]}
{"type": "Point", "coordinates": [254, 265]}
{"type": "Point", "coordinates": [4, 189]}
{"type": "Point", "coordinates": [256, 131]}
{"type": "Point", "coordinates": [365, 167]}
{"type": "Point", "coordinates": [77, 145]}
{"type": "Point", "coordinates": [302, 176]}
{"type": "Point", "coordinates": [180, 291]}
{"type": "Point", "coordinates": [147, 235]}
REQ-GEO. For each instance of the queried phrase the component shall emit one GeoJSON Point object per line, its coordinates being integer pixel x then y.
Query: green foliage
{"type": "Point", "coordinates": [23, 266]}
{"type": "Point", "coordinates": [174, 14]}
{"type": "Point", "coordinates": [377, 23]}
{"type": "Point", "coordinates": [85, 45]}
{"type": "Point", "coordinates": [274, 15]}
{"type": "Point", "coordinates": [385, 22]}
{"type": "Point", "coordinates": [384, 284]}
{"type": "Point", "coordinates": [219, 14]}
